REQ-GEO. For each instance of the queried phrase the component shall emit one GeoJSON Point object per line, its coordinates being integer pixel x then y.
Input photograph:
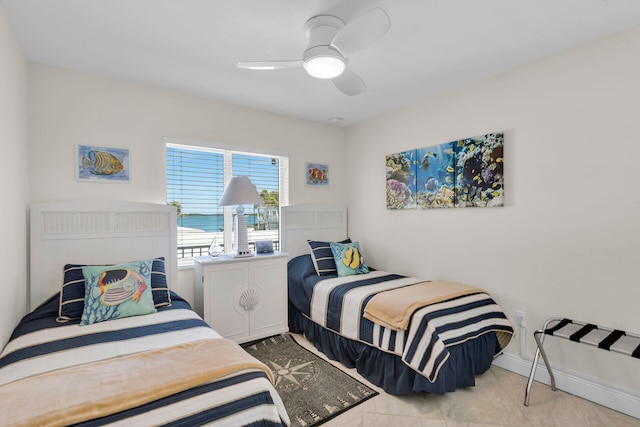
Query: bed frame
{"type": "Point", "coordinates": [311, 222]}
{"type": "Point", "coordinates": [96, 233]}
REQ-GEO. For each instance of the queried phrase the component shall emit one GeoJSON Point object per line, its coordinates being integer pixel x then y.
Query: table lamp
{"type": "Point", "coordinates": [240, 191]}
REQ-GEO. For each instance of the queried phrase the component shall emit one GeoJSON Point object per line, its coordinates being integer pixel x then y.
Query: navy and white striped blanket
{"type": "Point", "coordinates": [338, 304]}
{"type": "Point", "coordinates": [39, 345]}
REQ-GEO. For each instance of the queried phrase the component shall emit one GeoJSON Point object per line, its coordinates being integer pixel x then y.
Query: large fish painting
{"type": "Point", "coordinates": [463, 173]}
{"type": "Point", "coordinates": [102, 164]}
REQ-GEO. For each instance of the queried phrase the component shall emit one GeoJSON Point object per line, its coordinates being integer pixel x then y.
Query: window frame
{"type": "Point", "coordinates": [228, 151]}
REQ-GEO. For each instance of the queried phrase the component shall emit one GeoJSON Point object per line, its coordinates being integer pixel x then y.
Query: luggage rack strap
{"type": "Point", "coordinates": [584, 333]}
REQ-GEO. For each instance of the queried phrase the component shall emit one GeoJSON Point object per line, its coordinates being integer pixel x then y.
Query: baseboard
{"type": "Point", "coordinates": [610, 395]}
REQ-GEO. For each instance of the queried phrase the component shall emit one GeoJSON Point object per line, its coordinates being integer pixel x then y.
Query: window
{"type": "Point", "coordinates": [196, 178]}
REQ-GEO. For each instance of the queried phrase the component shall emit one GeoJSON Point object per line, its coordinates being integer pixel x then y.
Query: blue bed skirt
{"type": "Point", "coordinates": [388, 371]}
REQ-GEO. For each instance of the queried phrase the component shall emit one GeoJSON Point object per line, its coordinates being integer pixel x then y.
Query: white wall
{"type": "Point", "coordinates": [68, 108]}
{"type": "Point", "coordinates": [14, 176]}
{"type": "Point", "coordinates": [566, 243]}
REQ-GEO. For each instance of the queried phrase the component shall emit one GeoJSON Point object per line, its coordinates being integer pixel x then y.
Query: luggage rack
{"type": "Point", "coordinates": [585, 333]}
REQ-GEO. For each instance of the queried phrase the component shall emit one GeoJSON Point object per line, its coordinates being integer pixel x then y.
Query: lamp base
{"type": "Point", "coordinates": [242, 255]}
{"type": "Point", "coordinates": [241, 241]}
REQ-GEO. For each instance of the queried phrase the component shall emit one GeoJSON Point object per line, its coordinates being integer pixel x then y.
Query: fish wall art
{"type": "Point", "coordinates": [317, 174]}
{"type": "Point", "coordinates": [464, 173]}
{"type": "Point", "coordinates": [102, 164]}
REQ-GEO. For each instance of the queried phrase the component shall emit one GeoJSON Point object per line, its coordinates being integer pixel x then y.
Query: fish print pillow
{"type": "Point", "coordinates": [73, 289]}
{"type": "Point", "coordinates": [348, 258]}
{"type": "Point", "coordinates": [117, 291]}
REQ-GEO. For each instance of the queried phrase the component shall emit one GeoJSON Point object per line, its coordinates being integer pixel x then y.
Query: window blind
{"type": "Point", "coordinates": [196, 178]}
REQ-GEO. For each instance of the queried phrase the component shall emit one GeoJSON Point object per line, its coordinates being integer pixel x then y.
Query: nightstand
{"type": "Point", "coordinates": [243, 299]}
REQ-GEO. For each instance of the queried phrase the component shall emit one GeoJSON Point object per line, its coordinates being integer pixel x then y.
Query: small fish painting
{"type": "Point", "coordinates": [102, 164]}
{"type": "Point", "coordinates": [317, 174]}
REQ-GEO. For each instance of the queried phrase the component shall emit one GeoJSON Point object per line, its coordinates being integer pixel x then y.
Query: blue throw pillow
{"type": "Point", "coordinates": [159, 286]}
{"type": "Point", "coordinates": [348, 259]}
{"type": "Point", "coordinates": [322, 257]}
{"type": "Point", "coordinates": [73, 289]}
{"type": "Point", "coordinates": [117, 291]}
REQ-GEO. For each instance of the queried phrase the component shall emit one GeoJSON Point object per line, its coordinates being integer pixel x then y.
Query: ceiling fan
{"type": "Point", "coordinates": [331, 43]}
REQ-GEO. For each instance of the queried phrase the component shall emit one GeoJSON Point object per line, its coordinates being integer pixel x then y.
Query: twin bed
{"type": "Point", "coordinates": [72, 361]}
{"type": "Point", "coordinates": [403, 334]}
{"type": "Point", "coordinates": [167, 367]}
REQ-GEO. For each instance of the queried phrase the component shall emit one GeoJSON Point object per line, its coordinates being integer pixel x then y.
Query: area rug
{"type": "Point", "coordinates": [313, 390]}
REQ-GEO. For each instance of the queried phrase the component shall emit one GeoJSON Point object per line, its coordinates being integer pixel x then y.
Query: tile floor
{"type": "Point", "coordinates": [496, 400]}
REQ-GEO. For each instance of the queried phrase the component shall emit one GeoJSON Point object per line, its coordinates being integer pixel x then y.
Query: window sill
{"type": "Point", "coordinates": [186, 264]}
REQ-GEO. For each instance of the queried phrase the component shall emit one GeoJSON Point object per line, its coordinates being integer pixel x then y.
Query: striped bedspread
{"type": "Point", "coordinates": [235, 398]}
{"type": "Point", "coordinates": [338, 304]}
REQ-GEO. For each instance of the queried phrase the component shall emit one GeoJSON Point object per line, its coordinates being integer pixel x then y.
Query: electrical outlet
{"type": "Point", "coordinates": [521, 318]}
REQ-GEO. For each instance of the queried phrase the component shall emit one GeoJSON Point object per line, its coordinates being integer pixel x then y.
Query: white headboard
{"type": "Point", "coordinates": [97, 233]}
{"type": "Point", "coordinates": [311, 222]}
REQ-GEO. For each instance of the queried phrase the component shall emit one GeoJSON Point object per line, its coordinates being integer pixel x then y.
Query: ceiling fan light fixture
{"type": "Point", "coordinates": [323, 62]}
{"type": "Point", "coordinates": [324, 67]}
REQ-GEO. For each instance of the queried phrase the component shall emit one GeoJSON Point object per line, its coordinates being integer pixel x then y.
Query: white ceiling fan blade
{"type": "Point", "coordinates": [350, 83]}
{"type": "Point", "coordinates": [363, 30]}
{"type": "Point", "coordinates": [269, 65]}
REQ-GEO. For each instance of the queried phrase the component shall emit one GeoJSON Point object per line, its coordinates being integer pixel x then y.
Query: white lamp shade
{"type": "Point", "coordinates": [240, 191]}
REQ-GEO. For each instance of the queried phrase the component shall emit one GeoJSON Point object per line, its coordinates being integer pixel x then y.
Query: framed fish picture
{"type": "Point", "coordinates": [464, 173]}
{"type": "Point", "coordinates": [102, 164]}
{"type": "Point", "coordinates": [317, 174]}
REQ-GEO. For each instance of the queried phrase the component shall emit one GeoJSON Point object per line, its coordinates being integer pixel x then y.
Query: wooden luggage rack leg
{"type": "Point", "coordinates": [539, 337]}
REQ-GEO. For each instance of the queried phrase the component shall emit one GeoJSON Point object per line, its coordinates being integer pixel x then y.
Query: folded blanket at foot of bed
{"type": "Point", "coordinates": [393, 308]}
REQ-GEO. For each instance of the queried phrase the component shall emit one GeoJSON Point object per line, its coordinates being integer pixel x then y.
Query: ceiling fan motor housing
{"type": "Point", "coordinates": [322, 29]}
{"type": "Point", "coordinates": [321, 59]}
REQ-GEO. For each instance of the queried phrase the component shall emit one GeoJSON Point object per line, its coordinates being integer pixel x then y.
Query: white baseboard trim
{"type": "Point", "coordinates": [610, 395]}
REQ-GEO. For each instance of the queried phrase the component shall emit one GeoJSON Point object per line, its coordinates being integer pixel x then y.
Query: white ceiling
{"type": "Point", "coordinates": [433, 46]}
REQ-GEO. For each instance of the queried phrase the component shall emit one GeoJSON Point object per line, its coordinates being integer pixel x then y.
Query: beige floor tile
{"type": "Point", "coordinates": [495, 401]}
{"type": "Point", "coordinates": [351, 418]}
{"type": "Point", "coordinates": [496, 404]}
{"type": "Point", "coordinates": [453, 423]}
{"type": "Point", "coordinates": [416, 405]}
{"type": "Point", "coordinates": [565, 410]}
{"type": "Point", "coordinates": [381, 420]}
